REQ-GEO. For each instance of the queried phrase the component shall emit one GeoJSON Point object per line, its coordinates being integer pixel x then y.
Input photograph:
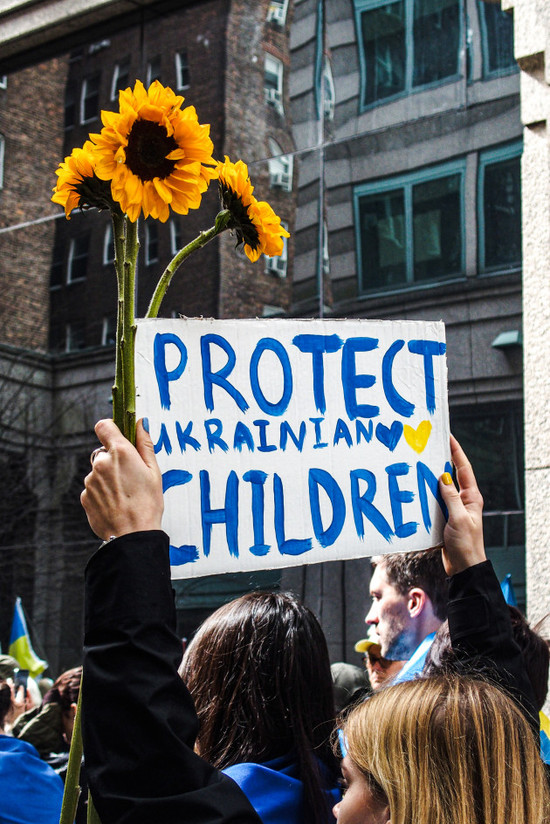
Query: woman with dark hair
{"type": "Point", "coordinates": [259, 674]}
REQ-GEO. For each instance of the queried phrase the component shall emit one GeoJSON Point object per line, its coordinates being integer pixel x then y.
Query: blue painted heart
{"type": "Point", "coordinates": [389, 436]}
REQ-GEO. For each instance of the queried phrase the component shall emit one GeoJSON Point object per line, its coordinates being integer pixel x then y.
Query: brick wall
{"type": "Point", "coordinates": [245, 287]}
{"type": "Point", "coordinates": [30, 121]}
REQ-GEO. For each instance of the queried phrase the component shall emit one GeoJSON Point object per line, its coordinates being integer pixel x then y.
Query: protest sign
{"type": "Point", "coordinates": [283, 442]}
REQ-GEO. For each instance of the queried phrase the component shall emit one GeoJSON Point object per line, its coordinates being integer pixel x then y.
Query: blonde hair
{"type": "Point", "coordinates": [449, 750]}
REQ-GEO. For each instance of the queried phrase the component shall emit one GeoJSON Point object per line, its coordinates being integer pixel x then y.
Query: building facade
{"type": "Point", "coordinates": [406, 118]}
{"type": "Point", "coordinates": [387, 134]}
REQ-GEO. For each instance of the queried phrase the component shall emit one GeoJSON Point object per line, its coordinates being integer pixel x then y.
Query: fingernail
{"type": "Point", "coordinates": [446, 478]}
{"type": "Point", "coordinates": [145, 423]}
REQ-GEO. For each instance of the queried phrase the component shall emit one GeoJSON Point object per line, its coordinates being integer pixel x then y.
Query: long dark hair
{"type": "Point", "coordinates": [259, 673]}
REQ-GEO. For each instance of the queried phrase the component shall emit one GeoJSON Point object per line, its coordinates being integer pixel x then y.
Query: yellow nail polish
{"type": "Point", "coordinates": [446, 478]}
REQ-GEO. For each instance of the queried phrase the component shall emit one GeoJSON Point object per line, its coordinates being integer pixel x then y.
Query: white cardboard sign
{"type": "Point", "coordinates": [284, 442]}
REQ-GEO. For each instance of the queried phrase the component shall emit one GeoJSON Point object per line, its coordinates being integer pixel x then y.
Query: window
{"type": "Point", "coordinates": [121, 77]}
{"type": "Point", "coordinates": [108, 246]}
{"type": "Point", "coordinates": [499, 208]}
{"type": "Point", "coordinates": [89, 99]}
{"type": "Point", "coordinates": [74, 336]}
{"type": "Point", "coordinates": [71, 97]}
{"type": "Point", "coordinates": [497, 37]}
{"type": "Point", "coordinates": [273, 83]}
{"type": "Point", "coordinates": [410, 228]}
{"type": "Point", "coordinates": [151, 243]}
{"type": "Point", "coordinates": [406, 44]}
{"type": "Point", "coordinates": [176, 238]}
{"type": "Point", "coordinates": [182, 70]}
{"type": "Point", "coordinates": [57, 270]}
{"type": "Point", "coordinates": [276, 12]}
{"type": "Point", "coordinates": [280, 168]}
{"type": "Point", "coordinates": [153, 70]}
{"type": "Point", "coordinates": [325, 93]}
{"type": "Point", "coordinates": [329, 93]}
{"type": "Point", "coordinates": [78, 258]}
{"type": "Point", "coordinates": [108, 331]}
{"type": "Point", "coordinates": [2, 156]}
{"type": "Point", "coordinates": [485, 432]}
{"type": "Point", "coordinates": [277, 265]}
{"type": "Point", "coordinates": [100, 45]}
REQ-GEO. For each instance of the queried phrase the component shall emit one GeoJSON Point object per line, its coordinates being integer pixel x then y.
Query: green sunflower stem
{"type": "Point", "coordinates": [221, 224]}
{"type": "Point", "coordinates": [71, 792]}
{"type": "Point", "coordinates": [119, 235]}
{"type": "Point", "coordinates": [129, 331]}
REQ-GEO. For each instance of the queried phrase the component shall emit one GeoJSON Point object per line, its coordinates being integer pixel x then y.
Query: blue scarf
{"type": "Point", "coordinates": [275, 790]}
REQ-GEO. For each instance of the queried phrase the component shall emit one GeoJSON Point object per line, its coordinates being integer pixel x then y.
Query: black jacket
{"type": "Point", "coordinates": [138, 720]}
{"type": "Point", "coordinates": [482, 637]}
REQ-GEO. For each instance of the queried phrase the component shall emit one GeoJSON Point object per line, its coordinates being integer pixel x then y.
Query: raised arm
{"type": "Point", "coordinates": [138, 719]}
{"type": "Point", "coordinates": [479, 619]}
{"type": "Point", "coordinates": [463, 536]}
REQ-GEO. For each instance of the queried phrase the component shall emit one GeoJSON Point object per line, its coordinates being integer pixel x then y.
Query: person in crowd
{"type": "Point", "coordinates": [139, 723]}
{"type": "Point", "coordinates": [31, 791]}
{"type": "Point", "coordinates": [409, 602]}
{"type": "Point", "coordinates": [535, 650]}
{"type": "Point", "coordinates": [349, 685]}
{"type": "Point", "coordinates": [49, 727]}
{"type": "Point", "coordinates": [259, 674]}
{"type": "Point", "coordinates": [8, 665]}
{"type": "Point", "coordinates": [430, 751]}
{"type": "Point", "coordinates": [381, 671]}
{"type": "Point", "coordinates": [32, 698]}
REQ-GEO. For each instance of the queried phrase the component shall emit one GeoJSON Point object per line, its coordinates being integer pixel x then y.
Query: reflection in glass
{"type": "Point", "coordinates": [502, 214]}
{"type": "Point", "coordinates": [436, 40]}
{"type": "Point", "coordinates": [437, 227]}
{"type": "Point", "coordinates": [384, 38]}
{"type": "Point", "coordinates": [498, 38]}
{"type": "Point", "coordinates": [382, 222]}
{"type": "Point", "coordinates": [411, 233]}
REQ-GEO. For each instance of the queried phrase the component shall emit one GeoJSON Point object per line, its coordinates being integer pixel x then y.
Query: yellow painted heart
{"type": "Point", "coordinates": [418, 438]}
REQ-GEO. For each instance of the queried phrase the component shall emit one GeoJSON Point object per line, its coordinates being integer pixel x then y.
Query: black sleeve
{"type": "Point", "coordinates": [138, 719]}
{"type": "Point", "coordinates": [482, 637]}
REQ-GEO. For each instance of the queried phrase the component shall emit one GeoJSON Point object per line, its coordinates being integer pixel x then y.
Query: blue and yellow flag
{"type": "Point", "coordinates": [20, 644]}
{"type": "Point", "coordinates": [544, 738]}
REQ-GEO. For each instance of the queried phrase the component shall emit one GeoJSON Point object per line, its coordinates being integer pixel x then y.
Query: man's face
{"type": "Point", "coordinates": [390, 617]}
{"type": "Point", "coordinates": [381, 670]}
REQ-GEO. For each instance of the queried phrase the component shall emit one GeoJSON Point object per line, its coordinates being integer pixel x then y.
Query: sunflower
{"type": "Point", "coordinates": [253, 221]}
{"type": "Point", "coordinates": [78, 185]}
{"type": "Point", "coordinates": [156, 154]}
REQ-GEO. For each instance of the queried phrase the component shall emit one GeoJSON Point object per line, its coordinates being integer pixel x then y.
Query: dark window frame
{"type": "Point", "coordinates": [406, 184]}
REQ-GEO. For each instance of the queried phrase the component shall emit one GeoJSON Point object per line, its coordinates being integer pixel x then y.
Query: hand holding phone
{"type": "Point", "coordinates": [20, 679]}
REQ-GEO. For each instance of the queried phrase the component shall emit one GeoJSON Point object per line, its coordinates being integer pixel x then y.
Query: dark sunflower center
{"type": "Point", "coordinates": [240, 221]}
{"type": "Point", "coordinates": [95, 193]}
{"type": "Point", "coordinates": [148, 145]}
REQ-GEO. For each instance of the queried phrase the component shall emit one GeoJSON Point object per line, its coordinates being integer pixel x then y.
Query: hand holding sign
{"type": "Point", "coordinates": [463, 534]}
{"type": "Point", "coordinates": [123, 492]}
